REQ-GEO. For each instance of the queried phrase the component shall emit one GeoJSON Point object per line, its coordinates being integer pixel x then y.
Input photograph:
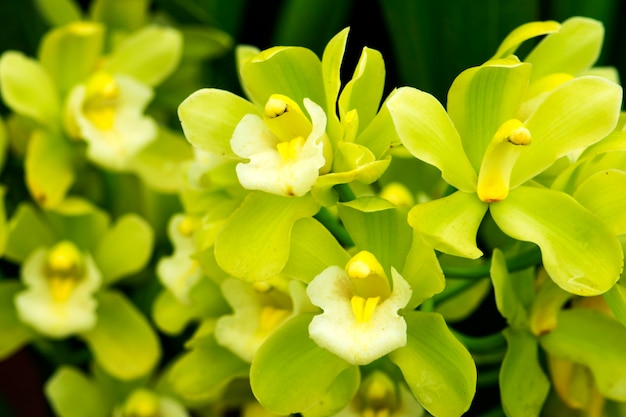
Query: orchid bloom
{"type": "Point", "coordinates": [61, 282]}
{"type": "Point", "coordinates": [360, 322]}
{"type": "Point", "coordinates": [107, 112]}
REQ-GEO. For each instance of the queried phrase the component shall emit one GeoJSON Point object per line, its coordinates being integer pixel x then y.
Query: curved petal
{"type": "Point", "coordinates": [579, 252]}
{"type": "Point", "coordinates": [292, 71]}
{"type": "Point", "coordinates": [575, 115]}
{"type": "Point", "coordinates": [428, 133]}
{"type": "Point", "coordinates": [209, 117]}
{"type": "Point", "coordinates": [481, 99]}
{"type": "Point", "coordinates": [603, 194]}
{"type": "Point", "coordinates": [574, 48]}
{"type": "Point", "coordinates": [523, 33]}
{"type": "Point", "coordinates": [331, 71]}
{"type": "Point", "coordinates": [450, 224]}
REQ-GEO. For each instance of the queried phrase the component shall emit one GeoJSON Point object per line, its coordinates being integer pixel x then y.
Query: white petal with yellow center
{"type": "Point", "coordinates": [338, 329]}
{"type": "Point", "coordinates": [278, 166]}
{"type": "Point", "coordinates": [107, 112]}
{"type": "Point", "coordinates": [57, 307]}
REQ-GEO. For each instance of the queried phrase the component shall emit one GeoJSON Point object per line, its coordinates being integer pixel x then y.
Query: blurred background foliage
{"type": "Point", "coordinates": [425, 44]}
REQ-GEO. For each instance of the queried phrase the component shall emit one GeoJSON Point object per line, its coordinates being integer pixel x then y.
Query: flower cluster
{"type": "Point", "coordinates": [280, 245]}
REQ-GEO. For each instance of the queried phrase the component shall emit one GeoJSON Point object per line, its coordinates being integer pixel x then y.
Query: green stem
{"type": "Point", "coordinates": [487, 343]}
{"type": "Point", "coordinates": [488, 377]}
{"type": "Point", "coordinates": [451, 292]}
{"type": "Point", "coordinates": [515, 263]}
{"type": "Point", "coordinates": [345, 192]}
{"type": "Point", "coordinates": [334, 226]}
{"type": "Point", "coordinates": [494, 412]}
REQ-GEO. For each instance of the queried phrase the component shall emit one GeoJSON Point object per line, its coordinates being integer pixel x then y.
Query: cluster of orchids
{"type": "Point", "coordinates": [309, 248]}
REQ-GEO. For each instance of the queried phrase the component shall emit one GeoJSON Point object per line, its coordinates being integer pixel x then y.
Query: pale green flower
{"type": "Point", "coordinates": [59, 299]}
{"type": "Point", "coordinates": [360, 322]}
{"type": "Point", "coordinates": [107, 112]}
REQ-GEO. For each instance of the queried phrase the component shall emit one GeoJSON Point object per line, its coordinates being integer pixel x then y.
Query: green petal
{"type": "Point", "coordinates": [574, 48]}
{"type": "Point", "coordinates": [579, 252]}
{"type": "Point", "coordinates": [70, 53]}
{"type": "Point", "coordinates": [28, 89]}
{"type": "Point", "coordinates": [14, 333]}
{"type": "Point", "coordinates": [72, 394]}
{"type": "Point", "coordinates": [292, 71]}
{"type": "Point", "coordinates": [523, 33]}
{"type": "Point", "coordinates": [364, 91]}
{"type": "Point", "coordinates": [313, 249]}
{"type": "Point", "coordinates": [202, 43]}
{"type": "Point", "coordinates": [27, 231]}
{"type": "Point", "coordinates": [461, 305]}
{"type": "Point", "coordinates": [428, 133]}
{"type": "Point", "coordinates": [125, 248]}
{"type": "Point", "coordinates": [593, 339]}
{"type": "Point", "coordinates": [49, 167]}
{"type": "Point", "coordinates": [331, 70]}
{"type": "Point", "coordinates": [422, 271]}
{"type": "Point", "coordinates": [203, 373]}
{"type": "Point", "coordinates": [254, 243]}
{"type": "Point", "coordinates": [59, 12]}
{"type": "Point", "coordinates": [616, 299]}
{"type": "Point", "coordinates": [171, 316]}
{"type": "Point", "coordinates": [120, 15]}
{"type": "Point", "coordinates": [149, 55]}
{"type": "Point", "coordinates": [481, 99]}
{"type": "Point", "coordinates": [602, 194]}
{"type": "Point", "coordinates": [290, 373]}
{"type": "Point", "coordinates": [507, 299]}
{"type": "Point", "coordinates": [438, 369]}
{"type": "Point", "coordinates": [79, 221]}
{"type": "Point", "coordinates": [342, 390]}
{"type": "Point", "coordinates": [379, 227]}
{"type": "Point", "coordinates": [523, 385]}
{"type": "Point", "coordinates": [209, 117]}
{"type": "Point", "coordinates": [122, 342]}
{"type": "Point", "coordinates": [450, 224]}
{"type": "Point", "coordinates": [380, 135]}
{"type": "Point", "coordinates": [575, 115]}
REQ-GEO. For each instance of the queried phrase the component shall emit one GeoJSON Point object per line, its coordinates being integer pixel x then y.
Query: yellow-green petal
{"type": "Point", "coordinates": [72, 394]}
{"type": "Point", "coordinates": [15, 334]}
{"type": "Point", "coordinates": [603, 194]}
{"type": "Point", "coordinates": [426, 130]}
{"type": "Point", "coordinates": [523, 33]}
{"type": "Point", "coordinates": [579, 252]}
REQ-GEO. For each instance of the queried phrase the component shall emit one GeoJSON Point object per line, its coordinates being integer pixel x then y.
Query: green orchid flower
{"type": "Point", "coordinates": [68, 259]}
{"type": "Point", "coordinates": [491, 155]}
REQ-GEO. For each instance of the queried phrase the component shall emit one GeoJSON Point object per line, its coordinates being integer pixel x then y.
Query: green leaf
{"type": "Point", "coordinates": [575, 115]}
{"type": "Point", "coordinates": [27, 231]}
{"type": "Point", "coordinates": [209, 117]}
{"type": "Point", "coordinates": [450, 224]}
{"type": "Point", "coordinates": [125, 248]}
{"type": "Point", "coordinates": [70, 53]}
{"type": "Point", "coordinates": [295, 72]}
{"type": "Point", "coordinates": [290, 373]}
{"type": "Point", "coordinates": [149, 55]}
{"type": "Point", "coordinates": [123, 342]}
{"type": "Point", "coordinates": [49, 167]}
{"type": "Point", "coordinates": [523, 385]}
{"type": "Point", "coordinates": [482, 98]}
{"type": "Point", "coordinates": [59, 12]}
{"type": "Point", "coordinates": [72, 394]}
{"type": "Point", "coordinates": [203, 373]}
{"type": "Point", "coordinates": [379, 227]}
{"type": "Point", "coordinates": [579, 252]}
{"type": "Point", "coordinates": [591, 338]}
{"type": "Point", "coordinates": [364, 91]}
{"type": "Point", "coordinates": [507, 298]}
{"type": "Point", "coordinates": [523, 33]}
{"type": "Point", "coordinates": [602, 194]}
{"type": "Point", "coordinates": [313, 249]}
{"type": "Point", "coordinates": [14, 333]}
{"type": "Point", "coordinates": [254, 242]}
{"type": "Point", "coordinates": [574, 48]}
{"type": "Point", "coordinates": [120, 15]}
{"type": "Point", "coordinates": [426, 131]}
{"type": "Point", "coordinates": [438, 369]}
{"type": "Point", "coordinates": [28, 89]}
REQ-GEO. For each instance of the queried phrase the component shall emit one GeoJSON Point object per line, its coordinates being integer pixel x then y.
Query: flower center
{"type": "Point", "coordinates": [142, 403]}
{"type": "Point", "coordinates": [370, 282]}
{"type": "Point", "coordinates": [186, 227]}
{"type": "Point", "coordinates": [101, 96]}
{"type": "Point", "coordinates": [500, 156]}
{"type": "Point", "coordinates": [378, 395]}
{"type": "Point", "coordinates": [64, 269]}
{"type": "Point", "coordinates": [287, 122]}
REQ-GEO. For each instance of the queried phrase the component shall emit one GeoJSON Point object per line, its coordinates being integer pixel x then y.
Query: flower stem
{"type": "Point", "coordinates": [334, 226]}
{"type": "Point", "coordinates": [515, 263]}
{"type": "Point", "coordinates": [345, 192]}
